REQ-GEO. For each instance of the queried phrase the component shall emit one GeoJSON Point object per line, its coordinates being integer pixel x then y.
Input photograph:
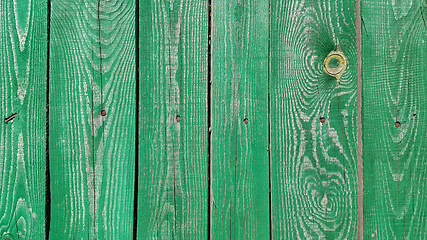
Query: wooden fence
{"type": "Point", "coordinates": [213, 119]}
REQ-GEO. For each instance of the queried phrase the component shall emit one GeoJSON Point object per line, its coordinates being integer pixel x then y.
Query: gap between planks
{"type": "Point", "coordinates": [359, 123]}
{"type": "Point", "coordinates": [270, 203]}
{"type": "Point", "coordinates": [209, 125]}
{"type": "Point", "coordinates": [136, 180]}
{"type": "Point", "coordinates": [47, 216]}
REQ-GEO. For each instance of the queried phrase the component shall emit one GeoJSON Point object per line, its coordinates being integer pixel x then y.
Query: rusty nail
{"type": "Point", "coordinates": [103, 113]}
{"type": "Point", "coordinates": [245, 121]}
{"type": "Point", "coordinates": [322, 119]}
{"type": "Point", "coordinates": [178, 118]}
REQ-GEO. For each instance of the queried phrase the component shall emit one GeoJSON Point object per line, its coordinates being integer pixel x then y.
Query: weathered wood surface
{"type": "Point", "coordinates": [277, 119]}
{"type": "Point", "coordinates": [92, 68]}
{"type": "Point", "coordinates": [313, 164]}
{"type": "Point", "coordinates": [173, 190]}
{"type": "Point", "coordinates": [394, 55]}
{"type": "Point", "coordinates": [22, 143]}
{"type": "Point", "coordinates": [240, 158]}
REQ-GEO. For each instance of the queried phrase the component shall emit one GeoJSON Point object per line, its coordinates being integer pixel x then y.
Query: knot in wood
{"type": "Point", "coordinates": [335, 63]}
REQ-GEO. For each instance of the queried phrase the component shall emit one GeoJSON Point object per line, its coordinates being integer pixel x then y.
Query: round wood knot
{"type": "Point", "coordinates": [246, 121]}
{"type": "Point", "coordinates": [178, 118]}
{"type": "Point", "coordinates": [335, 63]}
{"type": "Point", "coordinates": [103, 113]}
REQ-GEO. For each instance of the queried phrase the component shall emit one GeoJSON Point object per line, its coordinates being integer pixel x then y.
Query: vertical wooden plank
{"type": "Point", "coordinates": [394, 54]}
{"type": "Point", "coordinates": [92, 69]}
{"type": "Point", "coordinates": [172, 196]}
{"type": "Point", "coordinates": [240, 135]}
{"type": "Point", "coordinates": [313, 121]}
{"type": "Point", "coordinates": [23, 61]}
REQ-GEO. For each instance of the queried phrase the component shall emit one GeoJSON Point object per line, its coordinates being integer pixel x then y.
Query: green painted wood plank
{"type": "Point", "coordinates": [394, 54]}
{"type": "Point", "coordinates": [313, 162]}
{"type": "Point", "coordinates": [92, 68]}
{"type": "Point", "coordinates": [23, 58]}
{"type": "Point", "coordinates": [172, 194]}
{"type": "Point", "coordinates": [240, 158]}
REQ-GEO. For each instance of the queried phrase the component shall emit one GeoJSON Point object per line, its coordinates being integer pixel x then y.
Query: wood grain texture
{"type": "Point", "coordinates": [394, 54]}
{"type": "Point", "coordinates": [23, 59]}
{"type": "Point", "coordinates": [240, 158]}
{"type": "Point", "coordinates": [92, 68]}
{"type": "Point", "coordinates": [313, 164]}
{"type": "Point", "coordinates": [172, 196]}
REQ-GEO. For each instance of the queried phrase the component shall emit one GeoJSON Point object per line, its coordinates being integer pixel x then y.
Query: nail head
{"type": "Point", "coordinates": [8, 119]}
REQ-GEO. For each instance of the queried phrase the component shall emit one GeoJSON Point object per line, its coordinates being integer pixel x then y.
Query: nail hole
{"type": "Point", "coordinates": [322, 119]}
{"type": "Point", "coordinates": [178, 118]}
{"type": "Point", "coordinates": [414, 115]}
{"type": "Point", "coordinates": [245, 121]}
{"type": "Point", "coordinates": [397, 124]}
{"type": "Point", "coordinates": [103, 113]}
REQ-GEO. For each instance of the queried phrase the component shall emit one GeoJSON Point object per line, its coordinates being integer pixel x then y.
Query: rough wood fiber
{"type": "Point", "coordinates": [240, 158]}
{"type": "Point", "coordinates": [172, 196]}
{"type": "Point", "coordinates": [394, 53]}
{"type": "Point", "coordinates": [313, 164]}
{"type": "Point", "coordinates": [92, 67]}
{"type": "Point", "coordinates": [22, 142]}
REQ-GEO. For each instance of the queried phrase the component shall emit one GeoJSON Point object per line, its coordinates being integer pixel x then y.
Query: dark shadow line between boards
{"type": "Point", "coordinates": [270, 203]}
{"type": "Point", "coordinates": [47, 192]}
{"type": "Point", "coordinates": [135, 201]}
{"type": "Point", "coordinates": [209, 124]}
